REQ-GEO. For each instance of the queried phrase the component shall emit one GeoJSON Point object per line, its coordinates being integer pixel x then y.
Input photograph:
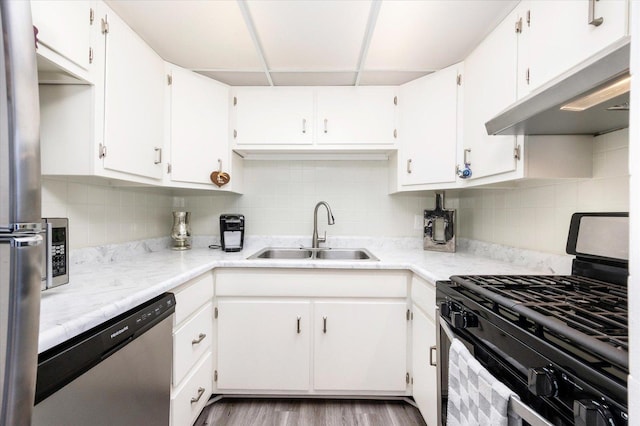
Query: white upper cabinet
{"type": "Point", "coordinates": [199, 127]}
{"type": "Point", "coordinates": [356, 115]}
{"type": "Point", "coordinates": [273, 115]}
{"type": "Point", "coordinates": [429, 128]}
{"type": "Point", "coordinates": [489, 85]}
{"type": "Point", "coordinates": [556, 35]}
{"type": "Point", "coordinates": [64, 36]}
{"type": "Point", "coordinates": [134, 102]}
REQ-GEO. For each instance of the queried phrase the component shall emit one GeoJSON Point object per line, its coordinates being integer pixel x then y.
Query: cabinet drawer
{"type": "Point", "coordinates": [423, 294]}
{"type": "Point", "coordinates": [191, 341]}
{"type": "Point", "coordinates": [191, 295]}
{"type": "Point", "coordinates": [188, 401]}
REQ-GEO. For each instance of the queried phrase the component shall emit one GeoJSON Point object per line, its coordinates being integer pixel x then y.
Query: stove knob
{"type": "Point", "coordinates": [445, 309]}
{"type": "Point", "coordinates": [591, 413]}
{"type": "Point", "coordinates": [464, 319]}
{"type": "Point", "coordinates": [542, 382]}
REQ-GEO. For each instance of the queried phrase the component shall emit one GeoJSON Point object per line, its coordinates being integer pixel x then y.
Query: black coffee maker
{"type": "Point", "coordinates": [231, 231]}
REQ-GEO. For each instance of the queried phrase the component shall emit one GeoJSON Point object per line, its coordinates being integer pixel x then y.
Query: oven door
{"type": "Point", "coordinates": [528, 408]}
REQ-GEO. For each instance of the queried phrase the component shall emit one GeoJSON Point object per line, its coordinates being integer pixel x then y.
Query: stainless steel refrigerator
{"type": "Point", "coordinates": [20, 213]}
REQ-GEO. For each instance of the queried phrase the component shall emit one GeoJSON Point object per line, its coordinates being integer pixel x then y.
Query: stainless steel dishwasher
{"type": "Point", "coordinates": [118, 373]}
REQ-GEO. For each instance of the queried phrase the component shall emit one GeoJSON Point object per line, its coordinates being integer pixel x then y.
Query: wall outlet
{"type": "Point", "coordinates": [418, 222]}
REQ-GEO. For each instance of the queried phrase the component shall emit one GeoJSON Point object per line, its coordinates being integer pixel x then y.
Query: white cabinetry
{"type": "Point", "coordinates": [192, 376]}
{"type": "Point", "coordinates": [489, 85]}
{"type": "Point", "coordinates": [429, 121]}
{"type": "Point", "coordinates": [273, 115]}
{"type": "Point", "coordinates": [115, 127]}
{"type": "Point", "coordinates": [134, 102]}
{"type": "Point", "coordinates": [360, 346]}
{"type": "Point", "coordinates": [356, 115]}
{"type": "Point", "coordinates": [64, 38]}
{"type": "Point", "coordinates": [197, 130]}
{"type": "Point", "coordinates": [264, 344]}
{"type": "Point", "coordinates": [557, 35]}
{"type": "Point", "coordinates": [423, 349]}
{"type": "Point", "coordinates": [308, 119]}
{"type": "Point", "coordinates": [335, 333]}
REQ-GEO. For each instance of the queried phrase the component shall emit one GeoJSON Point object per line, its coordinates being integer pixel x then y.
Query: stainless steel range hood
{"type": "Point", "coordinates": [539, 113]}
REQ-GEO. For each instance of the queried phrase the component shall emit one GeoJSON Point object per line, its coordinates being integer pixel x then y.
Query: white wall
{"type": "Point", "coordinates": [101, 215]}
{"type": "Point", "coordinates": [536, 216]}
{"type": "Point", "coordinates": [279, 198]}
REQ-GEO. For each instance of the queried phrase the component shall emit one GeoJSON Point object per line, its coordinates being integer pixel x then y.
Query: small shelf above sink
{"type": "Point", "coordinates": [303, 253]}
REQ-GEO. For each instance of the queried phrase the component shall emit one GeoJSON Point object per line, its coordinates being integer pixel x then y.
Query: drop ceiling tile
{"type": "Point", "coordinates": [313, 78]}
{"type": "Point", "coordinates": [430, 35]}
{"type": "Point", "coordinates": [193, 34]}
{"type": "Point", "coordinates": [311, 35]}
{"type": "Point", "coordinates": [389, 78]}
{"type": "Point", "coordinates": [234, 78]}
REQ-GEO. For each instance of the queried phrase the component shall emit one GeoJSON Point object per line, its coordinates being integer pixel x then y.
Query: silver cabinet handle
{"type": "Point", "coordinates": [298, 325]}
{"type": "Point", "coordinates": [409, 165]}
{"type": "Point", "coordinates": [197, 398]}
{"type": "Point", "coordinates": [304, 125]}
{"type": "Point", "coordinates": [325, 125]}
{"type": "Point", "coordinates": [158, 155]}
{"type": "Point", "coordinates": [324, 324]}
{"type": "Point", "coordinates": [432, 358]}
{"type": "Point", "coordinates": [596, 22]}
{"type": "Point", "coordinates": [200, 338]}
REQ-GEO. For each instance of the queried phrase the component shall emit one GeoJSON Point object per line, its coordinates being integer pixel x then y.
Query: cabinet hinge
{"type": "Point", "coordinates": [91, 16]}
{"type": "Point", "coordinates": [408, 378]}
{"type": "Point", "coordinates": [519, 26]}
{"type": "Point", "coordinates": [528, 18]}
{"type": "Point", "coordinates": [169, 79]}
{"type": "Point", "coordinates": [102, 151]}
{"type": "Point", "coordinates": [395, 133]}
{"type": "Point", "coordinates": [105, 25]}
{"type": "Point", "coordinates": [412, 381]}
{"type": "Point", "coordinates": [235, 101]}
{"type": "Point", "coordinates": [215, 312]}
{"type": "Point", "coordinates": [168, 168]}
{"type": "Point", "coordinates": [408, 314]}
{"type": "Point", "coordinates": [91, 55]}
{"type": "Point", "coordinates": [215, 376]}
{"type": "Point", "coordinates": [528, 75]}
{"type": "Point", "coordinates": [516, 152]}
{"type": "Point", "coordinates": [235, 134]}
{"type": "Point", "coordinates": [395, 100]}
{"type": "Point", "coordinates": [459, 79]}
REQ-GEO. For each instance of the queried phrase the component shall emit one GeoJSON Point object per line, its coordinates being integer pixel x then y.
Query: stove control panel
{"type": "Point", "coordinates": [458, 316]}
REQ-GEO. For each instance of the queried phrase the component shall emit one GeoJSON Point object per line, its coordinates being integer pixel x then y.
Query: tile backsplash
{"type": "Point", "coordinates": [279, 197]}
{"type": "Point", "coordinates": [536, 216]}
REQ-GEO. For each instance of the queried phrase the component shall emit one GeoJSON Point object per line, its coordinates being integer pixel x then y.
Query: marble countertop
{"type": "Point", "coordinates": [107, 281]}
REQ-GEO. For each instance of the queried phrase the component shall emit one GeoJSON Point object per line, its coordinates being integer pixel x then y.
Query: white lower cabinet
{"type": "Point", "coordinates": [360, 346]}
{"type": "Point", "coordinates": [263, 345]}
{"type": "Point", "coordinates": [188, 400]}
{"type": "Point", "coordinates": [193, 337]}
{"type": "Point", "coordinates": [423, 353]}
{"type": "Point", "coordinates": [305, 332]}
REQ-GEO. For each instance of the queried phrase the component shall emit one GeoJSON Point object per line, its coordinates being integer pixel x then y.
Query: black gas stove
{"type": "Point", "coordinates": [560, 342]}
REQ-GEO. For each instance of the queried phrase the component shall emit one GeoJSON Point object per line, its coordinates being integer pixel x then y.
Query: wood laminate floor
{"type": "Point", "coordinates": [309, 412]}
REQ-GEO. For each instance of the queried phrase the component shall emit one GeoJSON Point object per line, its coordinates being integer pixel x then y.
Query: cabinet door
{"type": "Point", "coordinates": [360, 346]}
{"type": "Point", "coordinates": [356, 115]}
{"type": "Point", "coordinates": [263, 345]}
{"type": "Point", "coordinates": [558, 36]}
{"type": "Point", "coordinates": [424, 372]}
{"type": "Point", "coordinates": [134, 103]}
{"type": "Point", "coordinates": [64, 27]}
{"type": "Point", "coordinates": [199, 126]}
{"type": "Point", "coordinates": [489, 85]}
{"type": "Point", "coordinates": [273, 115]}
{"type": "Point", "coordinates": [428, 128]}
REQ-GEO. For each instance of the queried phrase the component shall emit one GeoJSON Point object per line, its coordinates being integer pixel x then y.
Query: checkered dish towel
{"type": "Point", "coordinates": [475, 396]}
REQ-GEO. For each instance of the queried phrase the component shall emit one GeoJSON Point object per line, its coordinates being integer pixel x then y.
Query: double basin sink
{"type": "Point", "coordinates": [314, 254]}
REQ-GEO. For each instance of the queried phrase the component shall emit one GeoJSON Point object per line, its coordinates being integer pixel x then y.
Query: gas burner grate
{"type": "Point", "coordinates": [561, 305]}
